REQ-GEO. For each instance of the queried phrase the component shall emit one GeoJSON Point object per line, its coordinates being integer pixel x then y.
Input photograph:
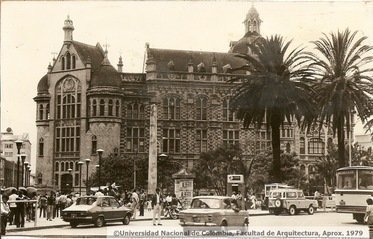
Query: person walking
{"type": "Point", "coordinates": [13, 207]}
{"type": "Point", "coordinates": [157, 206]}
{"type": "Point", "coordinates": [135, 202]}
{"type": "Point", "coordinates": [4, 210]}
{"type": "Point", "coordinates": [142, 202]}
{"type": "Point", "coordinates": [21, 208]}
{"type": "Point", "coordinates": [368, 218]}
{"type": "Point", "coordinates": [51, 200]}
{"type": "Point", "coordinates": [43, 205]}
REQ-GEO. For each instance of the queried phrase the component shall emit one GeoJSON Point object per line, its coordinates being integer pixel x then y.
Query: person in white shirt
{"type": "Point", "coordinates": [157, 206]}
{"type": "Point", "coordinates": [134, 202]}
{"type": "Point", "coordinates": [4, 210]}
{"type": "Point", "coordinates": [13, 207]}
{"type": "Point", "coordinates": [99, 193]}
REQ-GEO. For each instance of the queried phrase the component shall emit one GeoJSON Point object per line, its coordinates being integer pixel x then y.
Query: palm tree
{"type": "Point", "coordinates": [343, 82]}
{"type": "Point", "coordinates": [274, 91]}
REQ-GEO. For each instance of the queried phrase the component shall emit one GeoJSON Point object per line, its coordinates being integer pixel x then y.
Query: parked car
{"type": "Point", "coordinates": [214, 211]}
{"type": "Point", "coordinates": [291, 201]}
{"type": "Point", "coordinates": [97, 210]}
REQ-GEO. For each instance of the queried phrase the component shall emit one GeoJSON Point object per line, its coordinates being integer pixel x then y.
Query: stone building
{"type": "Point", "coordinates": [9, 152]}
{"type": "Point", "coordinates": [84, 103]}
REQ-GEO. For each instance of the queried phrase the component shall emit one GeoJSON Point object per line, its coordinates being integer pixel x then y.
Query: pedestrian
{"type": "Point", "coordinates": [135, 201]}
{"type": "Point", "coordinates": [239, 200]}
{"type": "Point", "coordinates": [253, 201]}
{"type": "Point", "coordinates": [51, 200]}
{"type": "Point", "coordinates": [149, 205]}
{"type": "Point", "coordinates": [21, 208]}
{"type": "Point", "coordinates": [157, 206]}
{"type": "Point", "coordinates": [142, 198]}
{"type": "Point", "coordinates": [56, 211]}
{"type": "Point", "coordinates": [13, 207]}
{"type": "Point", "coordinates": [43, 205]}
{"type": "Point", "coordinates": [233, 195]}
{"type": "Point", "coordinates": [368, 218]}
{"type": "Point", "coordinates": [69, 201]}
{"type": "Point", "coordinates": [4, 210]}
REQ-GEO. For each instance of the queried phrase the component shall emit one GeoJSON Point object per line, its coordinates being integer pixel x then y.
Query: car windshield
{"type": "Point", "coordinates": [206, 203]}
{"type": "Point", "coordinates": [85, 201]}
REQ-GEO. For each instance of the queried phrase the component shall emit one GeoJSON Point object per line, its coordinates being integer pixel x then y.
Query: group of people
{"type": "Point", "coordinates": [248, 202]}
{"type": "Point", "coordinates": [51, 206]}
{"type": "Point", "coordinates": [15, 210]}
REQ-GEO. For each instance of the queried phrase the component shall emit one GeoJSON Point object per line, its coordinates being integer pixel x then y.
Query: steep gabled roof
{"type": "Point", "coordinates": [86, 52]}
{"type": "Point", "coordinates": [181, 58]}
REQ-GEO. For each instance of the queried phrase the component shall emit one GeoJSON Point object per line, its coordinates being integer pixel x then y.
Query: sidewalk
{"type": "Point", "coordinates": [42, 223]}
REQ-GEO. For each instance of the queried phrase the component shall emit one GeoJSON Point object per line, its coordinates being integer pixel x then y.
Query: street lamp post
{"type": "Point", "coordinates": [99, 151]}
{"type": "Point", "coordinates": [349, 138]}
{"type": "Point", "coordinates": [72, 183]}
{"type": "Point", "coordinates": [29, 175]}
{"type": "Point", "coordinates": [80, 177]}
{"type": "Point", "coordinates": [19, 145]}
{"type": "Point", "coordinates": [23, 157]}
{"type": "Point", "coordinates": [86, 182]}
{"type": "Point", "coordinates": [26, 171]}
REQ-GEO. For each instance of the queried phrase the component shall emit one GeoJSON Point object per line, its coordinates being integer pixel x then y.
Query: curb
{"type": "Point", "coordinates": [22, 229]}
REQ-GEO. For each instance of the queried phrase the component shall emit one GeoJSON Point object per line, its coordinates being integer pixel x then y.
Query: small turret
{"type": "Point", "coordinates": [68, 29]}
{"type": "Point", "coordinates": [120, 64]}
{"type": "Point", "coordinates": [252, 21]}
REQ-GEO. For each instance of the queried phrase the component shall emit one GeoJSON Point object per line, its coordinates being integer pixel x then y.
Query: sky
{"type": "Point", "coordinates": [31, 34]}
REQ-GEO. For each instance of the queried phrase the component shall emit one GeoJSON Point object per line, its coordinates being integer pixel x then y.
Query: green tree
{"type": "Point", "coordinates": [274, 91]}
{"type": "Point", "coordinates": [212, 168]}
{"type": "Point", "coordinates": [343, 82]}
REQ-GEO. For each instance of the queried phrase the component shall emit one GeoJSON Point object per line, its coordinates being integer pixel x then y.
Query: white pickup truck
{"type": "Point", "coordinates": [291, 201]}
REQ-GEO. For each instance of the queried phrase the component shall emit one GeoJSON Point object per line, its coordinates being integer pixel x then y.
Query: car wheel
{"type": "Point", "coordinates": [292, 210]}
{"type": "Point", "coordinates": [224, 223]}
{"type": "Point", "coordinates": [99, 222]}
{"type": "Point", "coordinates": [74, 224]}
{"type": "Point", "coordinates": [126, 220]}
{"type": "Point", "coordinates": [173, 214]}
{"type": "Point", "coordinates": [278, 203]}
{"type": "Point", "coordinates": [246, 222]}
{"type": "Point", "coordinates": [310, 210]}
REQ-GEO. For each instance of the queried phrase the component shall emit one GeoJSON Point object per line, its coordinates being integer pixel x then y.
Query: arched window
{"type": "Point", "coordinates": [57, 167]}
{"type": "Point", "coordinates": [117, 108]}
{"type": "Point", "coordinates": [110, 107]}
{"type": "Point", "coordinates": [142, 112]}
{"type": "Point", "coordinates": [288, 148]}
{"type": "Point", "coordinates": [68, 61]}
{"type": "Point", "coordinates": [41, 147]}
{"type": "Point", "coordinates": [74, 62]}
{"type": "Point", "coordinates": [47, 109]}
{"type": "Point", "coordinates": [76, 166]}
{"type": "Point", "coordinates": [316, 146]}
{"type": "Point", "coordinates": [94, 144]}
{"type": "Point", "coordinates": [171, 108]}
{"type": "Point", "coordinates": [41, 110]}
{"type": "Point", "coordinates": [102, 107]}
{"type": "Point", "coordinates": [66, 166]}
{"type": "Point", "coordinates": [63, 63]}
{"type": "Point", "coordinates": [227, 113]}
{"type": "Point", "coordinates": [116, 151]}
{"type": "Point", "coordinates": [72, 165]}
{"type": "Point", "coordinates": [62, 166]}
{"type": "Point", "coordinates": [94, 108]}
{"type": "Point", "coordinates": [129, 111]}
{"type": "Point", "coordinates": [303, 168]}
{"type": "Point", "coordinates": [135, 111]}
{"type": "Point", "coordinates": [302, 149]}
{"type": "Point", "coordinates": [201, 113]}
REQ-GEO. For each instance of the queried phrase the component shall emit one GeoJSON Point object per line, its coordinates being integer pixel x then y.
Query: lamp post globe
{"type": "Point", "coordinates": [80, 163]}
{"type": "Point", "coordinates": [100, 152]}
{"type": "Point", "coordinates": [19, 145]}
{"type": "Point", "coordinates": [87, 161]}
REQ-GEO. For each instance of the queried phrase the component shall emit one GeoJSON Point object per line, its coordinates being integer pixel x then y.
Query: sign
{"type": "Point", "coordinates": [235, 178]}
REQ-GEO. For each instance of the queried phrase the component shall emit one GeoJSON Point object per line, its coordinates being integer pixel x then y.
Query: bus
{"type": "Point", "coordinates": [354, 187]}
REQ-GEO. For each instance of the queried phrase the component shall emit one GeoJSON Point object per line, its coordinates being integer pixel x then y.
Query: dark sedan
{"type": "Point", "coordinates": [97, 210]}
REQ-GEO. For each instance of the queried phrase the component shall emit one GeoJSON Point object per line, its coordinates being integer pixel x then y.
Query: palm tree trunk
{"type": "Point", "coordinates": [275, 125]}
{"type": "Point", "coordinates": [341, 144]}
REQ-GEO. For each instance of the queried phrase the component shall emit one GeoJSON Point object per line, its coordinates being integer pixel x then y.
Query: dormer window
{"type": "Point", "coordinates": [63, 63]}
{"type": "Point", "coordinates": [201, 67]}
{"type": "Point", "coordinates": [68, 61]}
{"type": "Point", "coordinates": [73, 60]}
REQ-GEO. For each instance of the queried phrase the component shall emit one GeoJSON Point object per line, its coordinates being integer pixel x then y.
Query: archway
{"type": "Point", "coordinates": [66, 183]}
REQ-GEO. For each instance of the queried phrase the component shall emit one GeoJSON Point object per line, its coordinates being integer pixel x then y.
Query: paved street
{"type": "Point", "coordinates": [323, 220]}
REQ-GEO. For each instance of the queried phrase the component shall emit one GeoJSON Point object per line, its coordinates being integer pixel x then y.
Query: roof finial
{"type": "Point", "coordinates": [120, 64]}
